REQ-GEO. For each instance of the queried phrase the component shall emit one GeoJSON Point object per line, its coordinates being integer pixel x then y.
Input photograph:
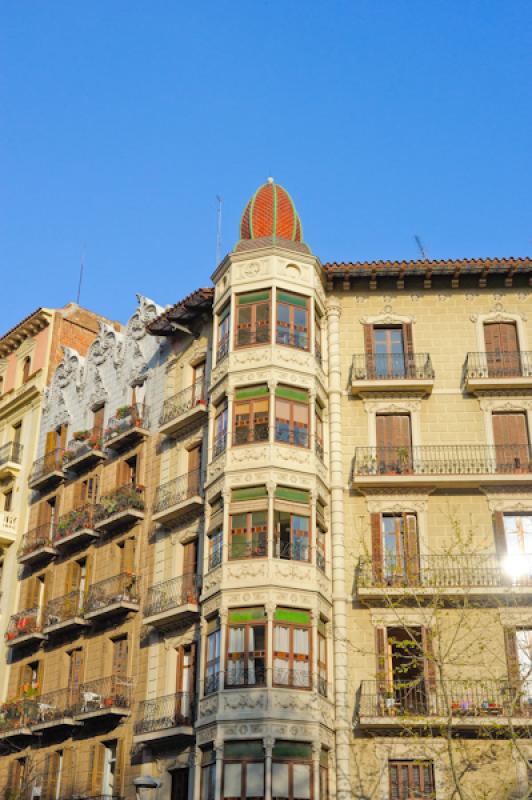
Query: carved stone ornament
{"type": "Point", "coordinates": [98, 395]}
{"type": "Point", "coordinates": [67, 370]}
{"type": "Point", "coordinates": [506, 402]}
{"type": "Point", "coordinates": [250, 270]}
{"type": "Point", "coordinates": [60, 414]}
{"type": "Point", "coordinates": [103, 345]}
{"type": "Point", "coordinates": [147, 310]}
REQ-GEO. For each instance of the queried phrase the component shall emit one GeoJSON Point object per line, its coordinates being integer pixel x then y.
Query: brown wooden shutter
{"type": "Point", "coordinates": [180, 654]}
{"type": "Point", "coordinates": [408, 349]}
{"type": "Point", "coordinates": [97, 760]}
{"type": "Point", "coordinates": [190, 557]}
{"type": "Point", "coordinates": [51, 442]}
{"type": "Point", "coordinates": [412, 549]}
{"type": "Point", "coordinates": [98, 419]}
{"type": "Point", "coordinates": [376, 548]}
{"type": "Point", "coordinates": [88, 571]}
{"type": "Point", "coordinates": [119, 768]}
{"type": "Point", "coordinates": [75, 675]}
{"type": "Point", "coordinates": [67, 773]}
{"type": "Point", "coordinates": [40, 675]}
{"type": "Point", "coordinates": [369, 350]}
{"type": "Point", "coordinates": [63, 431]}
{"type": "Point", "coordinates": [512, 657]}
{"type": "Point", "coordinates": [120, 651]}
{"type": "Point", "coordinates": [123, 473]}
{"type": "Point", "coordinates": [192, 671]}
{"type": "Point", "coordinates": [499, 533]}
{"type": "Point", "coordinates": [428, 655]}
{"type": "Point", "coordinates": [93, 484]}
{"type": "Point", "coordinates": [127, 557]}
{"type": "Point", "coordinates": [72, 577]}
{"type": "Point", "coordinates": [50, 776]}
{"type": "Point", "coordinates": [14, 777]}
{"type": "Point", "coordinates": [381, 642]}
{"type": "Point", "coordinates": [32, 592]}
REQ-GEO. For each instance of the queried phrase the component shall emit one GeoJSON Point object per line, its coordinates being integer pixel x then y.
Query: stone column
{"type": "Point", "coordinates": [270, 611]}
{"type": "Point", "coordinates": [223, 638]}
{"type": "Point", "coordinates": [219, 751]}
{"type": "Point", "coordinates": [268, 748]}
{"type": "Point", "coordinates": [270, 486]}
{"type": "Point", "coordinates": [343, 783]}
{"type": "Point", "coordinates": [316, 750]}
{"type": "Point", "coordinates": [272, 385]}
{"type": "Point", "coordinates": [196, 773]}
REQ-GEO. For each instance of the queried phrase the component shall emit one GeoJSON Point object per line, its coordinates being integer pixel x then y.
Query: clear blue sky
{"type": "Point", "coordinates": [121, 120]}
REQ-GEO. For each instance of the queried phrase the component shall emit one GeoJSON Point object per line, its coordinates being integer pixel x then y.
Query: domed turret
{"type": "Point", "coordinates": [271, 213]}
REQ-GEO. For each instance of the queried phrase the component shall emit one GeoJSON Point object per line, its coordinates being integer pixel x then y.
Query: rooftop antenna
{"type": "Point", "coordinates": [80, 275]}
{"type": "Point", "coordinates": [219, 201]}
{"type": "Point", "coordinates": [424, 254]}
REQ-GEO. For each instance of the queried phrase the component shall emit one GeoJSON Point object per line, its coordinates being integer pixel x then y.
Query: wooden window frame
{"type": "Point", "coordinates": [252, 415]}
{"type": "Point", "coordinates": [276, 532]}
{"type": "Point", "coordinates": [406, 791]}
{"type": "Point", "coordinates": [292, 425]}
{"type": "Point", "coordinates": [294, 761]}
{"type": "Point", "coordinates": [255, 551]}
{"type": "Point", "coordinates": [323, 664]}
{"type": "Point", "coordinates": [252, 326]}
{"type": "Point", "coordinates": [215, 545]}
{"type": "Point", "coordinates": [247, 654]}
{"type": "Point", "coordinates": [292, 626]}
{"type": "Point", "coordinates": [215, 632]}
{"type": "Point", "coordinates": [243, 762]}
{"type": "Point", "coordinates": [291, 328]}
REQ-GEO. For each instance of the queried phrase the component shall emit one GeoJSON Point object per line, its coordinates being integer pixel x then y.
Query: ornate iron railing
{"type": "Point", "coordinates": [296, 678]}
{"type": "Point", "coordinates": [50, 462]}
{"type": "Point", "coordinates": [466, 459]}
{"type": "Point", "coordinates": [62, 609]}
{"type": "Point", "coordinates": [83, 442]}
{"type": "Point", "coordinates": [447, 699]}
{"type": "Point", "coordinates": [178, 490]}
{"type": "Point", "coordinates": [291, 434]}
{"type": "Point", "coordinates": [78, 519]}
{"type": "Point", "coordinates": [163, 713]}
{"type": "Point", "coordinates": [122, 588]}
{"type": "Point", "coordinates": [223, 349]}
{"type": "Point", "coordinates": [249, 434]}
{"type": "Point", "coordinates": [36, 539]}
{"type": "Point", "coordinates": [17, 714]}
{"type": "Point", "coordinates": [172, 594]}
{"type": "Point", "coordinates": [124, 498]}
{"type": "Point", "coordinates": [11, 453]}
{"type": "Point", "coordinates": [215, 557]}
{"type": "Point", "coordinates": [211, 683]}
{"type": "Point", "coordinates": [511, 364]}
{"type": "Point", "coordinates": [220, 445]}
{"type": "Point", "coordinates": [125, 419]}
{"type": "Point", "coordinates": [184, 401]}
{"type": "Point", "coordinates": [322, 686]}
{"type": "Point", "coordinates": [291, 551]}
{"type": "Point", "coordinates": [23, 623]}
{"type": "Point", "coordinates": [256, 548]}
{"type": "Point", "coordinates": [55, 706]}
{"type": "Point", "coordinates": [391, 367]}
{"type": "Point", "coordinates": [299, 339]}
{"type": "Point", "coordinates": [114, 691]}
{"type": "Point", "coordinates": [446, 571]}
{"type": "Point", "coordinates": [237, 674]}
{"type": "Point", "coordinates": [245, 337]}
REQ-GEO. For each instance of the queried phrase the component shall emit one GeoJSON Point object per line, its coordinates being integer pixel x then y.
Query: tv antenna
{"type": "Point", "coordinates": [424, 254]}
{"type": "Point", "coordinates": [80, 275]}
{"type": "Point", "coordinates": [219, 201]}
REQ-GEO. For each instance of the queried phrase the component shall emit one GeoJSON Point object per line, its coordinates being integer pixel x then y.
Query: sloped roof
{"type": "Point", "coordinates": [183, 312]}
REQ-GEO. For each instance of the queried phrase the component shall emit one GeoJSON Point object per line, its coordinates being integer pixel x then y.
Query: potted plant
{"type": "Point", "coordinates": [108, 702]}
{"type": "Point", "coordinates": [122, 412]}
{"type": "Point", "coordinates": [81, 436]}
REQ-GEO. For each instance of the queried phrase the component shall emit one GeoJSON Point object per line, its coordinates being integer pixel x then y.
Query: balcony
{"type": "Point", "coordinates": [47, 471]}
{"type": "Point", "coordinates": [25, 628]}
{"type": "Point", "coordinates": [75, 529]}
{"type": "Point", "coordinates": [459, 704]}
{"type": "Point", "coordinates": [84, 451]}
{"type": "Point", "coordinates": [113, 596]}
{"type": "Point", "coordinates": [37, 545]}
{"type": "Point", "coordinates": [8, 528]}
{"type": "Point", "coordinates": [105, 697]}
{"type": "Point", "coordinates": [128, 427]}
{"type": "Point", "coordinates": [64, 614]}
{"type": "Point", "coordinates": [55, 710]}
{"type": "Point", "coordinates": [10, 460]}
{"type": "Point", "coordinates": [184, 409]}
{"type": "Point", "coordinates": [172, 601]}
{"type": "Point", "coordinates": [392, 372]}
{"type": "Point", "coordinates": [16, 716]}
{"type": "Point", "coordinates": [453, 575]}
{"type": "Point", "coordinates": [179, 498]}
{"type": "Point", "coordinates": [468, 464]}
{"type": "Point", "coordinates": [507, 370]}
{"type": "Point", "coordinates": [164, 718]}
{"type": "Point", "coordinates": [119, 509]}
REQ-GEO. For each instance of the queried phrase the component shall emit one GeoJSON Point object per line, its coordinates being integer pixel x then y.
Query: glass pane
{"type": "Point", "coordinates": [301, 776]}
{"type": "Point", "coordinates": [279, 780]}
{"type": "Point", "coordinates": [263, 313]}
{"type": "Point", "coordinates": [232, 780]}
{"type": "Point", "coordinates": [255, 780]}
{"type": "Point", "coordinates": [283, 313]}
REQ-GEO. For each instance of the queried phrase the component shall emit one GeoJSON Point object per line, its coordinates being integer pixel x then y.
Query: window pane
{"type": "Point", "coordinates": [232, 780]}
{"type": "Point", "coordinates": [255, 780]}
{"type": "Point", "coordinates": [301, 776]}
{"type": "Point", "coordinates": [279, 780]}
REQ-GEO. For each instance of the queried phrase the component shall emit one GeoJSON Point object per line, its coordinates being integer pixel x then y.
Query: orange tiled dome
{"type": "Point", "coordinates": [271, 212]}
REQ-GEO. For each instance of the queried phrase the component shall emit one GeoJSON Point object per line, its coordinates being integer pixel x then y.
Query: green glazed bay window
{"type": "Point", "coordinates": [292, 648]}
{"type": "Point", "coordinates": [243, 774]}
{"type": "Point", "coordinates": [251, 415]}
{"type": "Point", "coordinates": [292, 320]}
{"type": "Point", "coordinates": [292, 771]}
{"type": "Point", "coordinates": [253, 313]}
{"type": "Point", "coordinates": [292, 416]}
{"type": "Point", "coordinates": [246, 647]}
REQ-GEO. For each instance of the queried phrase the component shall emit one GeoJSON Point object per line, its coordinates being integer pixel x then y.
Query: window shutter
{"type": "Point", "coordinates": [51, 442]}
{"type": "Point", "coordinates": [88, 572]}
{"type": "Point", "coordinates": [119, 769]}
{"type": "Point", "coordinates": [14, 776]}
{"type": "Point", "coordinates": [120, 653]}
{"type": "Point", "coordinates": [76, 670]}
{"type": "Point", "coordinates": [96, 762]}
{"type": "Point", "coordinates": [428, 654]}
{"type": "Point", "coordinates": [512, 658]}
{"type": "Point", "coordinates": [408, 340]}
{"type": "Point", "coordinates": [192, 671]}
{"type": "Point", "coordinates": [376, 548]}
{"type": "Point", "coordinates": [127, 560]}
{"type": "Point", "coordinates": [499, 534]}
{"type": "Point", "coordinates": [67, 773]}
{"type": "Point", "coordinates": [33, 592]}
{"type": "Point", "coordinates": [412, 549]}
{"type": "Point", "coordinates": [40, 675]}
{"type": "Point", "coordinates": [50, 775]}
{"type": "Point", "coordinates": [190, 552]}
{"type": "Point", "coordinates": [72, 578]}
{"type": "Point", "coordinates": [382, 662]}
{"type": "Point", "coordinates": [369, 350]}
{"type": "Point", "coordinates": [46, 586]}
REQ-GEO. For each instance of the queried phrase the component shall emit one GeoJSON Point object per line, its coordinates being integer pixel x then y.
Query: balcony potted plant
{"type": "Point", "coordinates": [123, 411]}
{"type": "Point", "coordinates": [81, 436]}
{"type": "Point", "coordinates": [109, 701]}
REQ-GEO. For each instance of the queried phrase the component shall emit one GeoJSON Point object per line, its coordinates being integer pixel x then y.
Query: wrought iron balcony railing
{"type": "Point", "coordinates": [55, 706]}
{"type": "Point", "coordinates": [223, 349]}
{"type": "Point", "coordinates": [257, 547]}
{"type": "Point", "coordinates": [130, 496]}
{"type": "Point", "coordinates": [125, 419]}
{"type": "Point", "coordinates": [391, 367]}
{"type": "Point", "coordinates": [291, 551]}
{"type": "Point", "coordinates": [62, 609]}
{"type": "Point", "coordinates": [79, 519]}
{"type": "Point", "coordinates": [250, 434]}
{"type": "Point", "coordinates": [46, 465]}
{"type": "Point", "coordinates": [184, 401]}
{"type": "Point", "coordinates": [104, 693]}
{"type": "Point", "coordinates": [465, 571]}
{"type": "Point", "coordinates": [299, 678]}
{"type": "Point", "coordinates": [291, 434]}
{"type": "Point", "coordinates": [511, 364]}
{"type": "Point", "coordinates": [24, 623]}
{"type": "Point", "coordinates": [122, 588]}
{"type": "Point", "coordinates": [246, 337]}
{"type": "Point", "coordinates": [164, 713]}
{"type": "Point", "coordinates": [172, 594]}
{"type": "Point", "coordinates": [36, 539]}
{"type": "Point", "coordinates": [15, 715]}
{"type": "Point", "coordinates": [220, 445]}
{"type": "Point", "coordinates": [466, 459]}
{"type": "Point", "coordinates": [239, 674]}
{"type": "Point", "coordinates": [299, 339]}
{"type": "Point", "coordinates": [215, 557]}
{"type": "Point", "coordinates": [11, 453]}
{"type": "Point", "coordinates": [211, 683]}
{"type": "Point", "coordinates": [178, 490]}
{"type": "Point", "coordinates": [83, 443]}
{"type": "Point", "coordinates": [446, 699]}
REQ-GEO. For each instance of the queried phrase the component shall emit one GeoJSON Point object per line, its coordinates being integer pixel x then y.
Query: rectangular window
{"type": "Point", "coordinates": [388, 353]}
{"type": "Point", "coordinates": [291, 645]}
{"type": "Point", "coordinates": [524, 656]}
{"type": "Point", "coordinates": [394, 443]}
{"type": "Point", "coordinates": [251, 415]}
{"type": "Point", "coordinates": [246, 647]}
{"type": "Point", "coordinates": [324, 775]}
{"type": "Point", "coordinates": [249, 535]}
{"type": "Point", "coordinates": [220, 429]}
{"type": "Point", "coordinates": [252, 319]}
{"type": "Point", "coordinates": [212, 658]}
{"type": "Point", "coordinates": [322, 657]}
{"type": "Point", "coordinates": [224, 328]}
{"type": "Point", "coordinates": [292, 320]}
{"type": "Point", "coordinates": [400, 548]}
{"type": "Point", "coordinates": [512, 447]}
{"type": "Point", "coordinates": [503, 359]}
{"type": "Point", "coordinates": [292, 416]}
{"type": "Point", "coordinates": [120, 656]}
{"type": "Point", "coordinates": [216, 539]}
{"type": "Point", "coordinates": [243, 777]}
{"type": "Point", "coordinates": [8, 500]}
{"type": "Point", "coordinates": [411, 779]}
{"type": "Point", "coordinates": [291, 771]}
{"type": "Point", "coordinates": [318, 339]}
{"type": "Point", "coordinates": [109, 769]}
{"type": "Point", "coordinates": [98, 420]}
{"type": "Point", "coordinates": [208, 774]}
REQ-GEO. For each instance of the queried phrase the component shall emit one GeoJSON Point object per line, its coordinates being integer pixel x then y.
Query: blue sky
{"type": "Point", "coordinates": [120, 122]}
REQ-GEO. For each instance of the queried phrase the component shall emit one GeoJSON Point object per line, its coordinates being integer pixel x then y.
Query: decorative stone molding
{"type": "Point", "coordinates": [409, 616]}
{"type": "Point", "coordinates": [388, 317]}
{"type": "Point", "coordinates": [398, 502]}
{"type": "Point", "coordinates": [509, 500]}
{"type": "Point", "coordinates": [239, 701]}
{"type": "Point", "coordinates": [497, 314]}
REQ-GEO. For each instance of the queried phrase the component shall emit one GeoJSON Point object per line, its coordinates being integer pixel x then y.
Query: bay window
{"type": "Point", "coordinates": [322, 657]}
{"type": "Point", "coordinates": [291, 771]}
{"type": "Point", "coordinates": [292, 320]}
{"type": "Point", "coordinates": [292, 416]}
{"type": "Point", "coordinates": [292, 524]}
{"type": "Point", "coordinates": [243, 776]}
{"type": "Point", "coordinates": [319, 431]}
{"type": "Point", "coordinates": [246, 647]}
{"type": "Point", "coordinates": [224, 328]}
{"type": "Point", "coordinates": [251, 415]}
{"type": "Point", "coordinates": [208, 774]}
{"type": "Point", "coordinates": [291, 648]}
{"type": "Point", "coordinates": [249, 523]}
{"type": "Point", "coordinates": [212, 656]}
{"type": "Point", "coordinates": [253, 319]}
{"type": "Point", "coordinates": [220, 429]}
{"type": "Point", "coordinates": [215, 547]}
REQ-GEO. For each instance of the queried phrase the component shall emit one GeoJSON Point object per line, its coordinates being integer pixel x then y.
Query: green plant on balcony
{"type": "Point", "coordinates": [127, 497]}
{"type": "Point", "coordinates": [77, 519]}
{"type": "Point", "coordinates": [81, 436]}
{"type": "Point", "coordinates": [123, 411]}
